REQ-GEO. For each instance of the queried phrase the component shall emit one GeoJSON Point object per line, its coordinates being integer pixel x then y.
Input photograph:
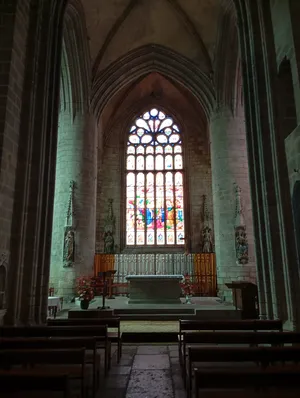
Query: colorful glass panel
{"type": "Point", "coordinates": [154, 190]}
{"type": "Point", "coordinates": [178, 161]}
{"type": "Point", "coordinates": [149, 162]}
{"type": "Point", "coordinates": [131, 149]}
{"type": "Point", "coordinates": [131, 162]}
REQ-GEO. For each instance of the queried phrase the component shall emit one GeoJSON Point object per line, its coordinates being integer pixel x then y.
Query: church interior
{"type": "Point", "coordinates": [149, 197]}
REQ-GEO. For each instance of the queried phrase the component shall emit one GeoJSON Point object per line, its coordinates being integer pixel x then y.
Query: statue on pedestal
{"type": "Point", "coordinates": [69, 233]}
{"type": "Point", "coordinates": [241, 242]}
{"type": "Point", "coordinates": [207, 246]}
{"type": "Point", "coordinates": [109, 228]}
{"type": "Point", "coordinates": [69, 247]}
{"type": "Point", "coordinates": [109, 243]}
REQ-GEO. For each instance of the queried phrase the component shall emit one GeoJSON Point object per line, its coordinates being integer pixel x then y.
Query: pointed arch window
{"type": "Point", "coordinates": [154, 182]}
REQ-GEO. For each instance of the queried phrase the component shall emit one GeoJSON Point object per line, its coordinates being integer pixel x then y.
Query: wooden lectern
{"type": "Point", "coordinates": [245, 298]}
{"type": "Point", "coordinates": [108, 277]}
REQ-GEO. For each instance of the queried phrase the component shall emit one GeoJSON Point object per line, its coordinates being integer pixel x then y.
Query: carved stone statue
{"type": "Point", "coordinates": [207, 246]}
{"type": "Point", "coordinates": [241, 242]}
{"type": "Point", "coordinates": [241, 245]}
{"type": "Point", "coordinates": [69, 247]}
{"type": "Point", "coordinates": [109, 243]}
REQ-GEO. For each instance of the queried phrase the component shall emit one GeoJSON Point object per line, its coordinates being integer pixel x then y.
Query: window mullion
{"type": "Point", "coordinates": [135, 207]}
{"type": "Point", "coordinates": [155, 208]}
{"type": "Point", "coordinates": [165, 207]}
{"type": "Point", "coordinates": [174, 209]}
{"type": "Point", "coordinates": [145, 206]}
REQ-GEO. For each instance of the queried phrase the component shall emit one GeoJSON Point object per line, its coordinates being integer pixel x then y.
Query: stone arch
{"type": "Point", "coordinates": [75, 82]}
{"type": "Point", "coordinates": [76, 57]}
{"type": "Point", "coordinates": [147, 59]}
{"type": "Point", "coordinates": [226, 62]}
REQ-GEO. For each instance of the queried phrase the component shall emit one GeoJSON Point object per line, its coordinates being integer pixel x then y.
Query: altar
{"type": "Point", "coordinates": [154, 289]}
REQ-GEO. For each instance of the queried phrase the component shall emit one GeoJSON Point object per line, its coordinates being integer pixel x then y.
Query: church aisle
{"type": "Point", "coordinates": [148, 371]}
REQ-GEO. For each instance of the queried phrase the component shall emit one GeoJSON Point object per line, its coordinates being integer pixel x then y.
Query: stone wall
{"type": "Point", "coordinates": [230, 169]}
{"type": "Point", "coordinates": [14, 21]}
{"type": "Point", "coordinates": [76, 161]}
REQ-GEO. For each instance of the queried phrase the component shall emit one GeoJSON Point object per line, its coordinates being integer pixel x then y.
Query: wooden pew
{"type": "Point", "coordinates": [112, 323]}
{"type": "Point", "coordinates": [20, 381]}
{"type": "Point", "coordinates": [99, 332]}
{"type": "Point", "coordinates": [262, 356]}
{"type": "Point", "coordinates": [233, 338]}
{"type": "Point", "coordinates": [254, 325]}
{"type": "Point", "coordinates": [89, 343]}
{"type": "Point", "coordinates": [285, 378]}
{"type": "Point", "coordinates": [28, 358]}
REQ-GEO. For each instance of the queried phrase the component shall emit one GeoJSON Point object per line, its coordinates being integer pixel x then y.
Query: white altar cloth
{"type": "Point", "coordinates": [54, 302]}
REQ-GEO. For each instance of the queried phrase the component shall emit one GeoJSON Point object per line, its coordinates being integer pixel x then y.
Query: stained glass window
{"type": "Point", "coordinates": [154, 182]}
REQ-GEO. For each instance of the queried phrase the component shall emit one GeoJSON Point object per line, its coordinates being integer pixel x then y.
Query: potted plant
{"type": "Point", "coordinates": [85, 291]}
{"type": "Point", "coordinates": [187, 288]}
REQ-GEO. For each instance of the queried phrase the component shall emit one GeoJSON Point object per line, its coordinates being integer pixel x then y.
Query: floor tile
{"type": "Point", "coordinates": [150, 384]}
{"type": "Point", "coordinates": [151, 362]}
{"type": "Point", "coordinates": [152, 350]}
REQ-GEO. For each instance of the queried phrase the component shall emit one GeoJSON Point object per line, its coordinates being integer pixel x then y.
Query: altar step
{"type": "Point", "coordinates": [173, 315]}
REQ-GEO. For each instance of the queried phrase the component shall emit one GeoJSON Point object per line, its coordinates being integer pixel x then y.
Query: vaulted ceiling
{"type": "Point", "coordinates": [115, 27]}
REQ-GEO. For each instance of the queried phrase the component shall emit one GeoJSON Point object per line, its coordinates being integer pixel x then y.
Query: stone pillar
{"type": "Point", "coordinates": [76, 161]}
{"type": "Point", "coordinates": [230, 169]}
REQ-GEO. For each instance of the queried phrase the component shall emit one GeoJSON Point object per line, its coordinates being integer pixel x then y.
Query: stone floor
{"type": "Point", "coordinates": [145, 371]}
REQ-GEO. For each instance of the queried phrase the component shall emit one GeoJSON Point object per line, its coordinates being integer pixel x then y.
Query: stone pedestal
{"type": "Point", "coordinates": [154, 289]}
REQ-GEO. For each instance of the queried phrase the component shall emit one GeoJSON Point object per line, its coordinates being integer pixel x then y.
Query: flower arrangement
{"type": "Point", "coordinates": [187, 286]}
{"type": "Point", "coordinates": [85, 288]}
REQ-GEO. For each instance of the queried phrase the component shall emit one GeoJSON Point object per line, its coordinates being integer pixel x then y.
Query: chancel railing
{"type": "Point", "coordinates": [201, 268]}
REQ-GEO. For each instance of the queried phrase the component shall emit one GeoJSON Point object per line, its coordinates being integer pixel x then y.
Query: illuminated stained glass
{"type": "Point", "coordinates": [154, 182]}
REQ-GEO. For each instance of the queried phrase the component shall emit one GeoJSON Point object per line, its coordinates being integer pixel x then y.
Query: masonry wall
{"type": "Point", "coordinates": [14, 21]}
{"type": "Point", "coordinates": [230, 169]}
{"type": "Point", "coordinates": [284, 36]}
{"type": "Point", "coordinates": [198, 183]}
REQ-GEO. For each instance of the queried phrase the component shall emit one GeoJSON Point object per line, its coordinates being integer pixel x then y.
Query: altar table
{"type": "Point", "coordinates": [154, 289]}
{"type": "Point", "coordinates": [54, 304]}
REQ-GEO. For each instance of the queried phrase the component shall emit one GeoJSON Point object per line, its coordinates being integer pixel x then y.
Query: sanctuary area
{"type": "Point", "coordinates": [149, 198]}
{"type": "Point", "coordinates": [149, 152]}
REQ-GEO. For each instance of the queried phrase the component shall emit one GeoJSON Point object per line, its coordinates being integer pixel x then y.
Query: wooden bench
{"type": "Point", "coordinates": [112, 323]}
{"type": "Point", "coordinates": [262, 356]}
{"type": "Point", "coordinates": [99, 332]}
{"type": "Point", "coordinates": [32, 357]}
{"type": "Point", "coordinates": [286, 378]}
{"type": "Point", "coordinates": [20, 381]}
{"type": "Point", "coordinates": [254, 325]}
{"type": "Point", "coordinates": [89, 343]}
{"type": "Point", "coordinates": [233, 338]}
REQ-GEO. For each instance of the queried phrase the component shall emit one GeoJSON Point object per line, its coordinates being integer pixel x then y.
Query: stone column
{"type": "Point", "coordinates": [230, 169]}
{"type": "Point", "coordinates": [76, 161]}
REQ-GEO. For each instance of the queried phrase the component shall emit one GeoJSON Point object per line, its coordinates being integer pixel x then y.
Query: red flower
{"type": "Point", "coordinates": [187, 286]}
{"type": "Point", "coordinates": [85, 288]}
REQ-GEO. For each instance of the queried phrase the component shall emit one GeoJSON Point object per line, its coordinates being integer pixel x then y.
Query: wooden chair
{"type": "Point", "coordinates": [89, 343]}
{"type": "Point", "coordinates": [254, 325]}
{"type": "Point", "coordinates": [262, 356]}
{"type": "Point", "coordinates": [233, 338]}
{"type": "Point", "coordinates": [112, 323]}
{"type": "Point", "coordinates": [99, 332]}
{"type": "Point", "coordinates": [286, 378]}
{"type": "Point", "coordinates": [25, 381]}
{"type": "Point", "coordinates": [33, 357]}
